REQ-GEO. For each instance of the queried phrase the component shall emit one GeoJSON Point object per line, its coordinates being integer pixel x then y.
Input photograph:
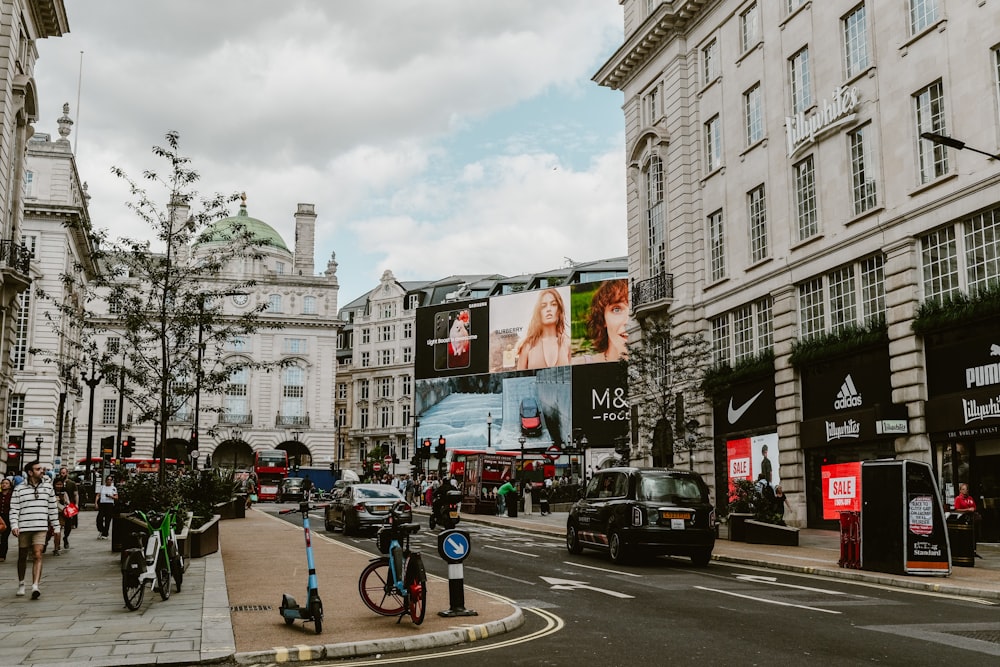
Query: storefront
{"type": "Point", "coordinates": [963, 417]}
{"type": "Point", "coordinates": [848, 416]}
{"type": "Point", "coordinates": [746, 438]}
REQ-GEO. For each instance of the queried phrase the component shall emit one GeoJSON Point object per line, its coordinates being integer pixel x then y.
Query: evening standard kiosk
{"type": "Point", "coordinates": [903, 529]}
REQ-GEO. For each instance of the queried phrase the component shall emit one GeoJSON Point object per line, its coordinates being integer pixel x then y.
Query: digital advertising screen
{"type": "Point", "coordinates": [452, 339]}
{"type": "Point", "coordinates": [841, 489]}
{"type": "Point", "coordinates": [530, 330]}
{"type": "Point", "coordinates": [599, 313]}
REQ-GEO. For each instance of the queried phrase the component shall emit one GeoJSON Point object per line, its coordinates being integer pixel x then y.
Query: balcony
{"type": "Point", "coordinates": [652, 292]}
{"type": "Point", "coordinates": [229, 418]}
{"type": "Point", "coordinates": [291, 420]}
{"type": "Point", "coordinates": [15, 256]}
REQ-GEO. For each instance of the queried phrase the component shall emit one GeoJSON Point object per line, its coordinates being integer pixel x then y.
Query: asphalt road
{"type": "Point", "coordinates": [584, 609]}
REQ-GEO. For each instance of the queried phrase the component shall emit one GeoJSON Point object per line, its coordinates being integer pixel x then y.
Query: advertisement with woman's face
{"type": "Point", "coordinates": [530, 330]}
{"type": "Point", "coordinates": [600, 314]}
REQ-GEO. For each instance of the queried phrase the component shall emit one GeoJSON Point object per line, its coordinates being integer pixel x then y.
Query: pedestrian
{"type": "Point", "coordinates": [62, 502]}
{"type": "Point", "coordinates": [107, 496]}
{"type": "Point", "coordinates": [543, 497]}
{"type": "Point", "coordinates": [71, 488]}
{"type": "Point", "coordinates": [6, 491]}
{"type": "Point", "coordinates": [527, 498]}
{"type": "Point", "coordinates": [307, 488]}
{"type": "Point", "coordinates": [32, 513]}
{"type": "Point", "coordinates": [780, 502]}
{"type": "Point", "coordinates": [509, 499]}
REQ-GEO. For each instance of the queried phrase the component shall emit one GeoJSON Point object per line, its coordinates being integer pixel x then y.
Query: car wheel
{"type": "Point", "coordinates": [702, 558]}
{"type": "Point", "coordinates": [617, 548]}
{"type": "Point", "coordinates": [329, 526]}
{"type": "Point", "coordinates": [573, 540]}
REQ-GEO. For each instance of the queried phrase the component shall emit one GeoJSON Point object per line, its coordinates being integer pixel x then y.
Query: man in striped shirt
{"type": "Point", "coordinates": [32, 512]}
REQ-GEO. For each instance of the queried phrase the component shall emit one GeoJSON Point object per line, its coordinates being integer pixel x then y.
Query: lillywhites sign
{"type": "Point", "coordinates": [975, 411]}
{"type": "Point", "coordinates": [801, 130]}
{"type": "Point", "coordinates": [849, 429]}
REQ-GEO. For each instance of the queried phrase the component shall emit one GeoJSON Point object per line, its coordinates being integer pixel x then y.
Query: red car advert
{"type": "Point", "coordinates": [841, 489]}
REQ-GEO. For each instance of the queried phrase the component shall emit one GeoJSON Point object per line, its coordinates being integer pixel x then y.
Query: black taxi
{"type": "Point", "coordinates": [653, 510]}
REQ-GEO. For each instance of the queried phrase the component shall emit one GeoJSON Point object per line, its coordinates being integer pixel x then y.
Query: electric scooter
{"type": "Point", "coordinates": [312, 611]}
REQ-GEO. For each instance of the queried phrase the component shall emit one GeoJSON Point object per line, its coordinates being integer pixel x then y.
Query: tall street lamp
{"type": "Point", "coordinates": [489, 431]}
{"type": "Point", "coordinates": [91, 380]}
{"type": "Point", "coordinates": [521, 440]}
{"type": "Point", "coordinates": [38, 446]}
{"type": "Point", "coordinates": [952, 142]}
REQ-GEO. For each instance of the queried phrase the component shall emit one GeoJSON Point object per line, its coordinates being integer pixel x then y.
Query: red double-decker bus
{"type": "Point", "coordinates": [270, 466]}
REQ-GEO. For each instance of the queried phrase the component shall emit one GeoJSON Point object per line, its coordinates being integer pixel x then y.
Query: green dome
{"type": "Point", "coordinates": [263, 233]}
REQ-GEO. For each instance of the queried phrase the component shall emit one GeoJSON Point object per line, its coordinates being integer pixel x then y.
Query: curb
{"type": "Point", "coordinates": [458, 635]}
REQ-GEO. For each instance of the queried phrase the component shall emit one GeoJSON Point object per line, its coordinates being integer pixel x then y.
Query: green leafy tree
{"type": "Point", "coordinates": [665, 372]}
{"type": "Point", "coordinates": [161, 297]}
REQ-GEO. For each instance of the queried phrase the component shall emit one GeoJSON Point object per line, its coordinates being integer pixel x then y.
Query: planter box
{"type": "Point", "coordinates": [737, 526]}
{"type": "Point", "coordinates": [758, 532]}
{"type": "Point", "coordinates": [204, 540]}
{"type": "Point", "coordinates": [122, 527]}
{"type": "Point", "coordinates": [234, 509]}
{"type": "Point", "coordinates": [182, 537]}
{"type": "Point", "coordinates": [240, 506]}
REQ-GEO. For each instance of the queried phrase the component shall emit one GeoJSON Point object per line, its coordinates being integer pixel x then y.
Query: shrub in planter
{"type": "Point", "coordinates": [206, 490]}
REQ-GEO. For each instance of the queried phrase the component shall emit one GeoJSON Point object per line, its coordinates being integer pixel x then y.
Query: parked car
{"type": "Point", "coordinates": [624, 511]}
{"type": "Point", "coordinates": [361, 507]}
{"type": "Point", "coordinates": [531, 417]}
{"type": "Point", "coordinates": [290, 490]}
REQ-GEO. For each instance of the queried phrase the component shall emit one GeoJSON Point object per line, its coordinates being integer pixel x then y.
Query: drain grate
{"type": "Point", "coordinates": [250, 607]}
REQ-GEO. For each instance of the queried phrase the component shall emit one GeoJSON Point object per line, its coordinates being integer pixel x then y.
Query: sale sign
{"type": "Point", "coordinates": [841, 489]}
{"type": "Point", "coordinates": [738, 456]}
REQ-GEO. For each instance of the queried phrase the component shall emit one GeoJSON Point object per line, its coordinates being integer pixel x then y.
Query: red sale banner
{"type": "Point", "coordinates": [841, 489]}
{"type": "Point", "coordinates": [738, 456]}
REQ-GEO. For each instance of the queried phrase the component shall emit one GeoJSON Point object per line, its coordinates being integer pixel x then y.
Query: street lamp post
{"type": "Point", "coordinates": [295, 436]}
{"type": "Point", "coordinates": [957, 144]}
{"type": "Point", "coordinates": [691, 437]}
{"type": "Point", "coordinates": [489, 431]}
{"type": "Point", "coordinates": [38, 446]}
{"type": "Point", "coordinates": [521, 440]}
{"type": "Point", "coordinates": [583, 447]}
{"type": "Point", "coordinates": [91, 380]}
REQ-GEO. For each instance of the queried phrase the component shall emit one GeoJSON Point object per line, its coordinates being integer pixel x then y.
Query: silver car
{"type": "Point", "coordinates": [359, 507]}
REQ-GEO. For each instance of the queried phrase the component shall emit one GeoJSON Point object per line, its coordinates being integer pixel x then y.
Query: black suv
{"type": "Point", "coordinates": [655, 510]}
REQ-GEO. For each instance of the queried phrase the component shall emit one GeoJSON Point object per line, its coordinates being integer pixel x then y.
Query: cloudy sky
{"type": "Point", "coordinates": [433, 136]}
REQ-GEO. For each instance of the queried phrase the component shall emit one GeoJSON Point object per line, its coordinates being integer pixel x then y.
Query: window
{"type": "Point", "coordinates": [293, 392]}
{"type": "Point", "coordinates": [996, 68]}
{"type": "Point", "coordinates": [406, 382]}
{"type": "Point", "coordinates": [341, 417]}
{"type": "Point", "coordinates": [754, 114]}
{"type": "Point", "coordinates": [388, 310]}
{"type": "Point", "coordinates": [406, 420]}
{"type": "Point", "coordinates": [742, 333]}
{"type": "Point", "coordinates": [764, 330]}
{"type": "Point", "coordinates": [366, 360]}
{"type": "Point", "coordinates": [19, 354]}
{"type": "Point", "coordinates": [236, 395]}
{"type": "Point", "coordinates": [109, 411]}
{"type": "Point", "coordinates": [939, 256]}
{"type": "Point", "coordinates": [795, 4]}
{"type": "Point", "coordinates": [363, 390]}
{"type": "Point", "coordinates": [805, 198]}
{"type": "Point", "coordinates": [366, 336]}
{"type": "Point", "coordinates": [923, 13]}
{"type": "Point", "coordinates": [363, 417]}
{"type": "Point", "coordinates": [713, 145]}
{"type": "Point", "coordinates": [651, 106]}
{"type": "Point", "coordinates": [407, 355]}
{"type": "Point", "coordinates": [720, 340]}
{"type": "Point", "coordinates": [30, 241]}
{"type": "Point", "coordinates": [799, 76]}
{"type": "Point", "coordinates": [811, 318]}
{"type": "Point", "coordinates": [279, 268]}
{"type": "Point", "coordinates": [113, 344]}
{"type": "Point", "coordinates": [655, 236]}
{"type": "Point", "coordinates": [385, 416]}
{"type": "Point", "coordinates": [15, 412]}
{"type": "Point", "coordinates": [749, 27]}
{"type": "Point", "coordinates": [384, 357]}
{"type": "Point", "coordinates": [309, 305]}
{"type": "Point", "coordinates": [717, 246]}
{"type": "Point", "coordinates": [342, 391]}
{"type": "Point", "coordinates": [872, 287]}
{"type": "Point", "coordinates": [29, 184]}
{"type": "Point", "coordinates": [238, 344]}
{"type": "Point", "coordinates": [384, 387]}
{"type": "Point", "coordinates": [929, 106]}
{"type": "Point", "coordinates": [413, 300]}
{"type": "Point", "coordinates": [757, 216]}
{"type": "Point", "coordinates": [843, 310]}
{"type": "Point", "coordinates": [962, 257]}
{"type": "Point", "coordinates": [386, 333]}
{"type": "Point", "coordinates": [855, 42]}
{"type": "Point", "coordinates": [407, 330]}
{"type": "Point", "coordinates": [710, 62]}
{"type": "Point", "coordinates": [274, 303]}
{"type": "Point", "coordinates": [295, 345]}
{"type": "Point", "coordinates": [863, 190]}
{"type": "Point", "coordinates": [982, 249]}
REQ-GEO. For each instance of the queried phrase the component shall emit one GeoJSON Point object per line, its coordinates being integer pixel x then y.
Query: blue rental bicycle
{"type": "Point", "coordinates": [396, 584]}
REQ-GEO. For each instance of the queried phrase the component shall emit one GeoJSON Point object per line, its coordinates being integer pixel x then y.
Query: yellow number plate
{"type": "Point", "coordinates": [675, 515]}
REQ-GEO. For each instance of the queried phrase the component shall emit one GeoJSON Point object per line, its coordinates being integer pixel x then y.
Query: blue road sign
{"type": "Point", "coordinates": [454, 545]}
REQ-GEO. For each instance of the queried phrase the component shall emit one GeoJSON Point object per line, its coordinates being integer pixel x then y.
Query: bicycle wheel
{"type": "Point", "coordinates": [415, 583]}
{"type": "Point", "coordinates": [377, 592]}
{"type": "Point", "coordinates": [176, 564]}
{"type": "Point", "coordinates": [316, 611]}
{"type": "Point", "coordinates": [163, 576]}
{"type": "Point", "coordinates": [133, 588]}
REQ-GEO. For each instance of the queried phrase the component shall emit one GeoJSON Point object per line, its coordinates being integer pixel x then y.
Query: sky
{"type": "Point", "coordinates": [434, 137]}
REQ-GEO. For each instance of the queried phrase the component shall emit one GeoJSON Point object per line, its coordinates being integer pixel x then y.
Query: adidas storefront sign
{"type": "Point", "coordinates": [848, 396]}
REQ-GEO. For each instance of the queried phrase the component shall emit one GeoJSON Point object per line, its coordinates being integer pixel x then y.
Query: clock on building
{"type": "Point", "coordinates": [241, 299]}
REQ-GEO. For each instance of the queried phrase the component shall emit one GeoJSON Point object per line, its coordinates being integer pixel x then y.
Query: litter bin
{"type": "Point", "coordinates": [850, 540]}
{"type": "Point", "coordinates": [962, 537]}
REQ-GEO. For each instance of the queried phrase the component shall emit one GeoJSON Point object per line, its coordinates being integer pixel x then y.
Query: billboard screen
{"type": "Point", "coordinates": [452, 339]}
{"type": "Point", "coordinates": [749, 458]}
{"type": "Point", "coordinates": [841, 489]}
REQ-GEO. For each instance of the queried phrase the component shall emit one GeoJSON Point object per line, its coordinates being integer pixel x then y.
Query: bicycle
{"type": "Point", "coordinates": [155, 562]}
{"type": "Point", "coordinates": [395, 584]}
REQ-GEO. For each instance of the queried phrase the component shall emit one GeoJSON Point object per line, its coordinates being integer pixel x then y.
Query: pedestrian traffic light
{"type": "Point", "coordinates": [442, 450]}
{"type": "Point", "coordinates": [193, 442]}
{"type": "Point", "coordinates": [415, 461]}
{"type": "Point", "coordinates": [128, 447]}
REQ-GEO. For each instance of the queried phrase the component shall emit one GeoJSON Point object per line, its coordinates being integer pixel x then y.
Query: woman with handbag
{"type": "Point", "coordinates": [66, 525]}
{"type": "Point", "coordinates": [6, 491]}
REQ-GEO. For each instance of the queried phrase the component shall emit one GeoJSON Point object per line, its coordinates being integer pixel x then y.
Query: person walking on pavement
{"type": "Point", "coordinates": [107, 496]}
{"type": "Point", "coordinates": [307, 488]}
{"type": "Point", "coordinates": [527, 499]}
{"type": "Point", "coordinates": [32, 513]}
{"type": "Point", "coordinates": [71, 488]}
{"type": "Point", "coordinates": [62, 501]}
{"type": "Point", "coordinates": [6, 491]}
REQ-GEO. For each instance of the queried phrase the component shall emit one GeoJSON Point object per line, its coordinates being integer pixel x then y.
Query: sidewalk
{"type": "Point", "coordinates": [228, 607]}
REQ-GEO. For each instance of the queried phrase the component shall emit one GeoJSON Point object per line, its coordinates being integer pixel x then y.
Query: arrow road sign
{"type": "Point", "coordinates": [570, 585]}
{"type": "Point", "coordinates": [454, 545]}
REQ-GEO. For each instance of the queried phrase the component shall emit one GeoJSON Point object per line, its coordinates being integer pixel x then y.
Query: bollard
{"type": "Point", "coordinates": [454, 547]}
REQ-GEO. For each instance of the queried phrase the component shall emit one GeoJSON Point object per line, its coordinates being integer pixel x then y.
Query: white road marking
{"type": "Point", "coordinates": [520, 553]}
{"type": "Point", "coordinates": [774, 582]}
{"type": "Point", "coordinates": [783, 604]}
{"type": "Point", "coordinates": [602, 569]}
{"type": "Point", "coordinates": [571, 585]}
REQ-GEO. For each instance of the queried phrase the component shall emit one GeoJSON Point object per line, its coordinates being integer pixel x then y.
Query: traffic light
{"type": "Point", "coordinates": [128, 447]}
{"type": "Point", "coordinates": [425, 449]}
{"type": "Point", "coordinates": [193, 442]}
{"type": "Point", "coordinates": [395, 457]}
{"type": "Point", "coordinates": [442, 450]}
{"type": "Point", "coordinates": [415, 461]}
{"type": "Point", "coordinates": [108, 446]}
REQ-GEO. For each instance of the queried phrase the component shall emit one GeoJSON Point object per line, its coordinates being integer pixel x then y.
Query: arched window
{"type": "Point", "coordinates": [656, 257]}
{"type": "Point", "coordinates": [237, 407]}
{"type": "Point", "coordinates": [293, 392]}
{"type": "Point", "coordinates": [274, 303]}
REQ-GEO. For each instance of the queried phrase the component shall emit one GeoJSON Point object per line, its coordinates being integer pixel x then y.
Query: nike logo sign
{"type": "Point", "coordinates": [735, 413]}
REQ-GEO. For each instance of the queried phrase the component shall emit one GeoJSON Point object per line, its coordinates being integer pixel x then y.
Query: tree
{"type": "Point", "coordinates": [162, 299]}
{"type": "Point", "coordinates": [665, 372]}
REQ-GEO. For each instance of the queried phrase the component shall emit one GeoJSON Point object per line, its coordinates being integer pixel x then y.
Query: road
{"type": "Point", "coordinates": [586, 609]}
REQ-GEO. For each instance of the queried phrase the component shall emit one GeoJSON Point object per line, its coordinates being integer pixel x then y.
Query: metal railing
{"type": "Point", "coordinates": [291, 420]}
{"type": "Point", "coordinates": [651, 290]}
{"type": "Point", "coordinates": [16, 256]}
{"type": "Point", "coordinates": [230, 418]}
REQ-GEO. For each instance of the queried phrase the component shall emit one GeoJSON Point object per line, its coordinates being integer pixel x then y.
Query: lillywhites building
{"type": "Point", "coordinates": [782, 201]}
